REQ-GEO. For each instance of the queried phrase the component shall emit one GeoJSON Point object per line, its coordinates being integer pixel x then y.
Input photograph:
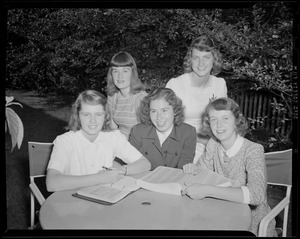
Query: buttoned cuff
{"type": "Point", "coordinates": [246, 194]}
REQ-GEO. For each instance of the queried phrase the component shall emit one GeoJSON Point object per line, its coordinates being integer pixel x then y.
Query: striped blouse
{"type": "Point", "coordinates": [123, 110]}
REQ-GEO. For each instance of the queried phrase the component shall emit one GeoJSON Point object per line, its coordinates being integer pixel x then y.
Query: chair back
{"type": "Point", "coordinates": [276, 194]}
{"type": "Point", "coordinates": [39, 155]}
{"type": "Point", "coordinates": [279, 166]}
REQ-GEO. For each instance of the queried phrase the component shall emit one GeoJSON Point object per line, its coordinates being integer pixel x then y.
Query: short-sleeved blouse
{"type": "Point", "coordinates": [73, 154]}
{"type": "Point", "coordinates": [195, 99]}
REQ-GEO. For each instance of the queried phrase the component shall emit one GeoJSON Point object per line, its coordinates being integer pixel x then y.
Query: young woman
{"type": "Point", "coordinates": [233, 156]}
{"type": "Point", "coordinates": [162, 136]}
{"type": "Point", "coordinates": [125, 92]}
{"type": "Point", "coordinates": [198, 85]}
{"type": "Point", "coordinates": [79, 156]}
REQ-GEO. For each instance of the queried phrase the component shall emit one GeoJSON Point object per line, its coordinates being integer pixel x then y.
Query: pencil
{"type": "Point", "coordinates": [106, 168]}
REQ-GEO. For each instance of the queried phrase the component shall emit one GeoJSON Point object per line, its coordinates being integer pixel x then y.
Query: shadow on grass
{"type": "Point", "coordinates": [38, 126]}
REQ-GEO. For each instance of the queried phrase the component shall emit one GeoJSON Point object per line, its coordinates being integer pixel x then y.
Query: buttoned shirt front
{"type": "Point", "coordinates": [177, 150]}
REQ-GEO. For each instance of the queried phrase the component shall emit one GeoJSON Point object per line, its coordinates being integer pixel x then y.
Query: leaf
{"type": "Point", "coordinates": [9, 99]}
{"type": "Point", "coordinates": [15, 127]}
{"type": "Point", "coordinates": [9, 102]}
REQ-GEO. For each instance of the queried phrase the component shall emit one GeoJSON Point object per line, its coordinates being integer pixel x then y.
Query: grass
{"type": "Point", "coordinates": [44, 117]}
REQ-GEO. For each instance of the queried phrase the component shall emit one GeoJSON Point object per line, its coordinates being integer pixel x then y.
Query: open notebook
{"type": "Point", "coordinates": [108, 193]}
{"type": "Point", "coordinates": [173, 180]}
{"type": "Point", "coordinates": [162, 179]}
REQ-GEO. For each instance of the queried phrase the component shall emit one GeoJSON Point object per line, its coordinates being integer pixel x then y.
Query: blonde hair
{"type": "Point", "coordinates": [91, 97]}
{"type": "Point", "coordinates": [203, 43]}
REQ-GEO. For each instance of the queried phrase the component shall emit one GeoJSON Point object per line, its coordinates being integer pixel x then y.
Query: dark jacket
{"type": "Point", "coordinates": [177, 150]}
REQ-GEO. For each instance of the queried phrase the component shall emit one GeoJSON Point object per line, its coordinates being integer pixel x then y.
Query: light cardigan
{"type": "Point", "coordinates": [224, 154]}
{"type": "Point", "coordinates": [248, 167]}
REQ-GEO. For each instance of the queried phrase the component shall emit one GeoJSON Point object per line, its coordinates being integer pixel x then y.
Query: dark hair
{"type": "Point", "coordinates": [203, 43]}
{"type": "Point", "coordinates": [170, 97]}
{"type": "Point", "coordinates": [91, 97]}
{"type": "Point", "coordinates": [124, 59]}
{"type": "Point", "coordinates": [224, 104]}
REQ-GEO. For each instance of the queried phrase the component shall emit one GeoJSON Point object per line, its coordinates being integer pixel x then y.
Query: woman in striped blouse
{"type": "Point", "coordinates": [125, 92]}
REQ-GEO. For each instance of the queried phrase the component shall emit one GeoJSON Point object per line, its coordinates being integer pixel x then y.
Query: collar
{"type": "Point", "coordinates": [98, 139]}
{"type": "Point", "coordinates": [235, 147]}
{"type": "Point", "coordinates": [162, 136]}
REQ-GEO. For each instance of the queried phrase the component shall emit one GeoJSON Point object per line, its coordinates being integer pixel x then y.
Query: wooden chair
{"type": "Point", "coordinates": [279, 200]}
{"type": "Point", "coordinates": [39, 155]}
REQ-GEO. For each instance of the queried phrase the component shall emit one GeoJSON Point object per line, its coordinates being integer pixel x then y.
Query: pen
{"type": "Point", "coordinates": [106, 168]}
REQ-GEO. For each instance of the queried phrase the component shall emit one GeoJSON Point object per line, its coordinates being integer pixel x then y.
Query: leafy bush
{"type": "Point", "coordinates": [68, 50]}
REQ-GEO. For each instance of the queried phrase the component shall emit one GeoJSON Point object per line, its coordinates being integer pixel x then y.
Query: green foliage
{"type": "Point", "coordinates": [68, 50]}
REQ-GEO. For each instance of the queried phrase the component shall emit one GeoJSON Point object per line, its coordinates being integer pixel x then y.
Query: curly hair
{"type": "Point", "coordinates": [224, 104]}
{"type": "Point", "coordinates": [91, 97]}
{"type": "Point", "coordinates": [203, 43]}
{"type": "Point", "coordinates": [170, 97]}
{"type": "Point", "coordinates": [123, 59]}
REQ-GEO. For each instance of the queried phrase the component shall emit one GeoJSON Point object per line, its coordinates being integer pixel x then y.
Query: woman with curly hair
{"type": "Point", "coordinates": [125, 92]}
{"type": "Point", "coordinates": [230, 154]}
{"type": "Point", "coordinates": [162, 136]}
{"type": "Point", "coordinates": [199, 84]}
{"type": "Point", "coordinates": [79, 156]}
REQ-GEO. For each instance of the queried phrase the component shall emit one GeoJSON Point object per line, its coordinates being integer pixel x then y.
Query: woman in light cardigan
{"type": "Point", "coordinates": [230, 154]}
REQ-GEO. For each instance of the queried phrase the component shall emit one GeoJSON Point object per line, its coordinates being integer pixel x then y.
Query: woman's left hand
{"type": "Point", "coordinates": [190, 168]}
{"type": "Point", "coordinates": [196, 191]}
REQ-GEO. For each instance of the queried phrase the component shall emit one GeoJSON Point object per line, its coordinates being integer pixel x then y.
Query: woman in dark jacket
{"type": "Point", "coordinates": [162, 136]}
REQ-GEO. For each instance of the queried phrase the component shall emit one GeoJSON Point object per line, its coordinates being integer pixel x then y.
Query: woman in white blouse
{"type": "Point", "coordinates": [198, 85]}
{"type": "Point", "coordinates": [81, 156]}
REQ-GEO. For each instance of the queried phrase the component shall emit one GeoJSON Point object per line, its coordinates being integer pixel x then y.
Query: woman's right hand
{"type": "Point", "coordinates": [108, 176]}
{"type": "Point", "coordinates": [190, 168]}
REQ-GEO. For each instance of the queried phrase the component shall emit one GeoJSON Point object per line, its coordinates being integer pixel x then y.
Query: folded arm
{"type": "Point", "coordinates": [199, 191]}
{"type": "Point", "coordinates": [56, 181]}
{"type": "Point", "coordinates": [139, 166]}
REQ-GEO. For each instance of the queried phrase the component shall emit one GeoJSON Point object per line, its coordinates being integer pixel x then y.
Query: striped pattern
{"type": "Point", "coordinates": [123, 110]}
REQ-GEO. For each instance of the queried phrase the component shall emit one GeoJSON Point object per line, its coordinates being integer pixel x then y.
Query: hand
{"type": "Point", "coordinates": [196, 191]}
{"type": "Point", "coordinates": [122, 171]}
{"type": "Point", "coordinates": [108, 176]}
{"type": "Point", "coordinates": [190, 168]}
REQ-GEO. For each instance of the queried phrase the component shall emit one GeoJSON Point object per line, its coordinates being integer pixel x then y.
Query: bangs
{"type": "Point", "coordinates": [121, 60]}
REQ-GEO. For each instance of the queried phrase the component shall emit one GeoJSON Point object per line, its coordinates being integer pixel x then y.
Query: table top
{"type": "Point", "coordinates": [141, 210]}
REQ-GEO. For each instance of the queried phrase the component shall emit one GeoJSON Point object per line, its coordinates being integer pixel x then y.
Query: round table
{"type": "Point", "coordinates": [144, 209]}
